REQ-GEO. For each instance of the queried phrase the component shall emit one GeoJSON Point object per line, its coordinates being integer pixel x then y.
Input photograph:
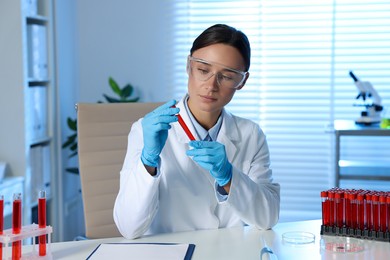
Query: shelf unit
{"type": "Point", "coordinates": [27, 133]}
{"type": "Point", "coordinates": [353, 169]}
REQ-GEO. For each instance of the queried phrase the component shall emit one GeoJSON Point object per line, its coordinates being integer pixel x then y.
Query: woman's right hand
{"type": "Point", "coordinates": [155, 126]}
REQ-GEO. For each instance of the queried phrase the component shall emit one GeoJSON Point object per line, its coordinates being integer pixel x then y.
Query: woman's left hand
{"type": "Point", "coordinates": [212, 157]}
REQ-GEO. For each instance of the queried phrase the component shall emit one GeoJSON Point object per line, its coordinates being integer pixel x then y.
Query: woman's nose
{"type": "Point", "coordinates": [212, 82]}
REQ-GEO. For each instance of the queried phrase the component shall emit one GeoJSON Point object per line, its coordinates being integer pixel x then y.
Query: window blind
{"type": "Point", "coordinates": [190, 18]}
{"type": "Point", "coordinates": [362, 44]}
{"type": "Point", "coordinates": [302, 52]}
{"type": "Point", "coordinates": [296, 65]}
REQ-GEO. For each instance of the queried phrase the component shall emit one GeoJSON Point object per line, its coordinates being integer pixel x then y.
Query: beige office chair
{"type": "Point", "coordinates": [102, 143]}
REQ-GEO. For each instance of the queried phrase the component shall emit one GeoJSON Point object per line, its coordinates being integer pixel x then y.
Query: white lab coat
{"type": "Point", "coordinates": [183, 195]}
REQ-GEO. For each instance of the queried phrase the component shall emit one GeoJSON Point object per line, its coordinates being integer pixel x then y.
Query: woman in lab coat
{"type": "Point", "coordinates": [169, 183]}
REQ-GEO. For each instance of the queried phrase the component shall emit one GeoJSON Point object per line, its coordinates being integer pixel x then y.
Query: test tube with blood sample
{"type": "Point", "coordinates": [368, 210]}
{"type": "Point", "coordinates": [388, 211]}
{"type": "Point", "coordinates": [1, 223]}
{"type": "Point", "coordinates": [325, 208]}
{"type": "Point", "coordinates": [353, 210]}
{"type": "Point", "coordinates": [348, 209]}
{"type": "Point", "coordinates": [382, 213]}
{"type": "Point", "coordinates": [17, 225]}
{"type": "Point", "coordinates": [185, 127]}
{"type": "Point", "coordinates": [331, 195]}
{"type": "Point", "coordinates": [360, 211]}
{"type": "Point", "coordinates": [339, 208]}
{"type": "Point", "coordinates": [42, 221]}
{"type": "Point", "coordinates": [375, 212]}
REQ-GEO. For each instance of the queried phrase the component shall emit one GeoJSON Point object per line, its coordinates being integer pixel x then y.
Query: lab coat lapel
{"type": "Point", "coordinates": [228, 135]}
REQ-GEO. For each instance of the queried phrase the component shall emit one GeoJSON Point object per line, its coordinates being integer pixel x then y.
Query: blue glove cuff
{"type": "Point", "coordinates": [148, 160]}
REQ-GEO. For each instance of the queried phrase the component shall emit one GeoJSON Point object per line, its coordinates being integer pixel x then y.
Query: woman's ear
{"type": "Point", "coordinates": [243, 83]}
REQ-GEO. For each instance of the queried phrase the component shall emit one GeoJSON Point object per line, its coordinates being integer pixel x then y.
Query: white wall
{"type": "Point", "coordinates": [11, 87]}
{"type": "Point", "coordinates": [95, 40]}
{"type": "Point", "coordinates": [122, 39]}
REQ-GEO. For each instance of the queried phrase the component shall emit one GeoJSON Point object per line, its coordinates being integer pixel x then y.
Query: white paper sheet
{"type": "Point", "coordinates": [138, 251]}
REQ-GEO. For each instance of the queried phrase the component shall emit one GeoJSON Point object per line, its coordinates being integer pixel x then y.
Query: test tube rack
{"type": "Point", "coordinates": [28, 231]}
{"type": "Point", "coordinates": [362, 214]}
{"type": "Point", "coordinates": [356, 233]}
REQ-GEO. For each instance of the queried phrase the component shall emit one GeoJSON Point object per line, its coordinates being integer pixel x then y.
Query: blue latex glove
{"type": "Point", "coordinates": [212, 157]}
{"type": "Point", "coordinates": [155, 126]}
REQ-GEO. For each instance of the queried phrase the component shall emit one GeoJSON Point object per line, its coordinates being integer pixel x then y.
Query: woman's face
{"type": "Point", "coordinates": [209, 96]}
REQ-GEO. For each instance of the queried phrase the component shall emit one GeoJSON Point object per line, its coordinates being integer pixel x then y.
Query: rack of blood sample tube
{"type": "Point", "coordinates": [18, 233]}
{"type": "Point", "coordinates": [356, 213]}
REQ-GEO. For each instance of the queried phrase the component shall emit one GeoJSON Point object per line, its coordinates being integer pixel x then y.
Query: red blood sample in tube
{"type": "Point", "coordinates": [382, 213]}
{"type": "Point", "coordinates": [360, 211]}
{"type": "Point", "coordinates": [375, 212]}
{"type": "Point", "coordinates": [348, 209]}
{"type": "Point", "coordinates": [325, 208]}
{"type": "Point", "coordinates": [17, 225]}
{"type": "Point", "coordinates": [388, 211]}
{"type": "Point", "coordinates": [42, 221]}
{"type": "Point", "coordinates": [185, 127]}
{"type": "Point", "coordinates": [369, 211]}
{"type": "Point", "coordinates": [339, 207]}
{"type": "Point", "coordinates": [354, 210]}
{"type": "Point", "coordinates": [1, 223]}
{"type": "Point", "coordinates": [331, 208]}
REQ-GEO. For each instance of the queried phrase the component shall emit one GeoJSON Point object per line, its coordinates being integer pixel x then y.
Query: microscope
{"type": "Point", "coordinates": [371, 101]}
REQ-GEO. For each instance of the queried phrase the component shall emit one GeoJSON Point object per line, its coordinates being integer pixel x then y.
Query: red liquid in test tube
{"type": "Point", "coordinates": [17, 225]}
{"type": "Point", "coordinates": [42, 221]}
{"type": "Point", "coordinates": [382, 213]}
{"type": "Point", "coordinates": [375, 212]}
{"type": "Point", "coordinates": [360, 211]}
{"type": "Point", "coordinates": [353, 210]}
{"type": "Point", "coordinates": [339, 207]}
{"type": "Point", "coordinates": [369, 221]}
{"type": "Point", "coordinates": [325, 208]}
{"type": "Point", "coordinates": [331, 208]}
{"type": "Point", "coordinates": [388, 211]}
{"type": "Point", "coordinates": [348, 209]}
{"type": "Point", "coordinates": [185, 127]}
{"type": "Point", "coordinates": [1, 223]}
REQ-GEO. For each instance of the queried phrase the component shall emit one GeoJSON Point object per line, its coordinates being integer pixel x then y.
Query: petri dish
{"type": "Point", "coordinates": [298, 237]}
{"type": "Point", "coordinates": [341, 244]}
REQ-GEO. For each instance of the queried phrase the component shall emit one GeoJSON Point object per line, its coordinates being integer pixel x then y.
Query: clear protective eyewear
{"type": "Point", "coordinates": [226, 77]}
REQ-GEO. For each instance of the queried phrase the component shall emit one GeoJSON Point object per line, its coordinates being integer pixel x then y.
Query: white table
{"type": "Point", "coordinates": [235, 243]}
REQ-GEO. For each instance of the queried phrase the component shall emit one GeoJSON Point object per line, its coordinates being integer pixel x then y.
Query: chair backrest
{"type": "Point", "coordinates": [102, 143]}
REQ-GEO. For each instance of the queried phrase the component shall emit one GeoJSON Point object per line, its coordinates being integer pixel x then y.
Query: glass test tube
{"type": "Point", "coordinates": [382, 213]}
{"type": "Point", "coordinates": [331, 208]}
{"type": "Point", "coordinates": [388, 211]}
{"type": "Point", "coordinates": [353, 210]}
{"type": "Point", "coordinates": [348, 210]}
{"type": "Point", "coordinates": [375, 212]}
{"type": "Point", "coordinates": [17, 225]}
{"type": "Point", "coordinates": [325, 208]}
{"type": "Point", "coordinates": [369, 221]}
{"type": "Point", "coordinates": [42, 221]}
{"type": "Point", "coordinates": [1, 223]}
{"type": "Point", "coordinates": [339, 208]}
{"type": "Point", "coordinates": [360, 211]}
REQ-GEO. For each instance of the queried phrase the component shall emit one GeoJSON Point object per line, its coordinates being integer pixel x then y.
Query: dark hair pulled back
{"type": "Point", "coordinates": [225, 34]}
